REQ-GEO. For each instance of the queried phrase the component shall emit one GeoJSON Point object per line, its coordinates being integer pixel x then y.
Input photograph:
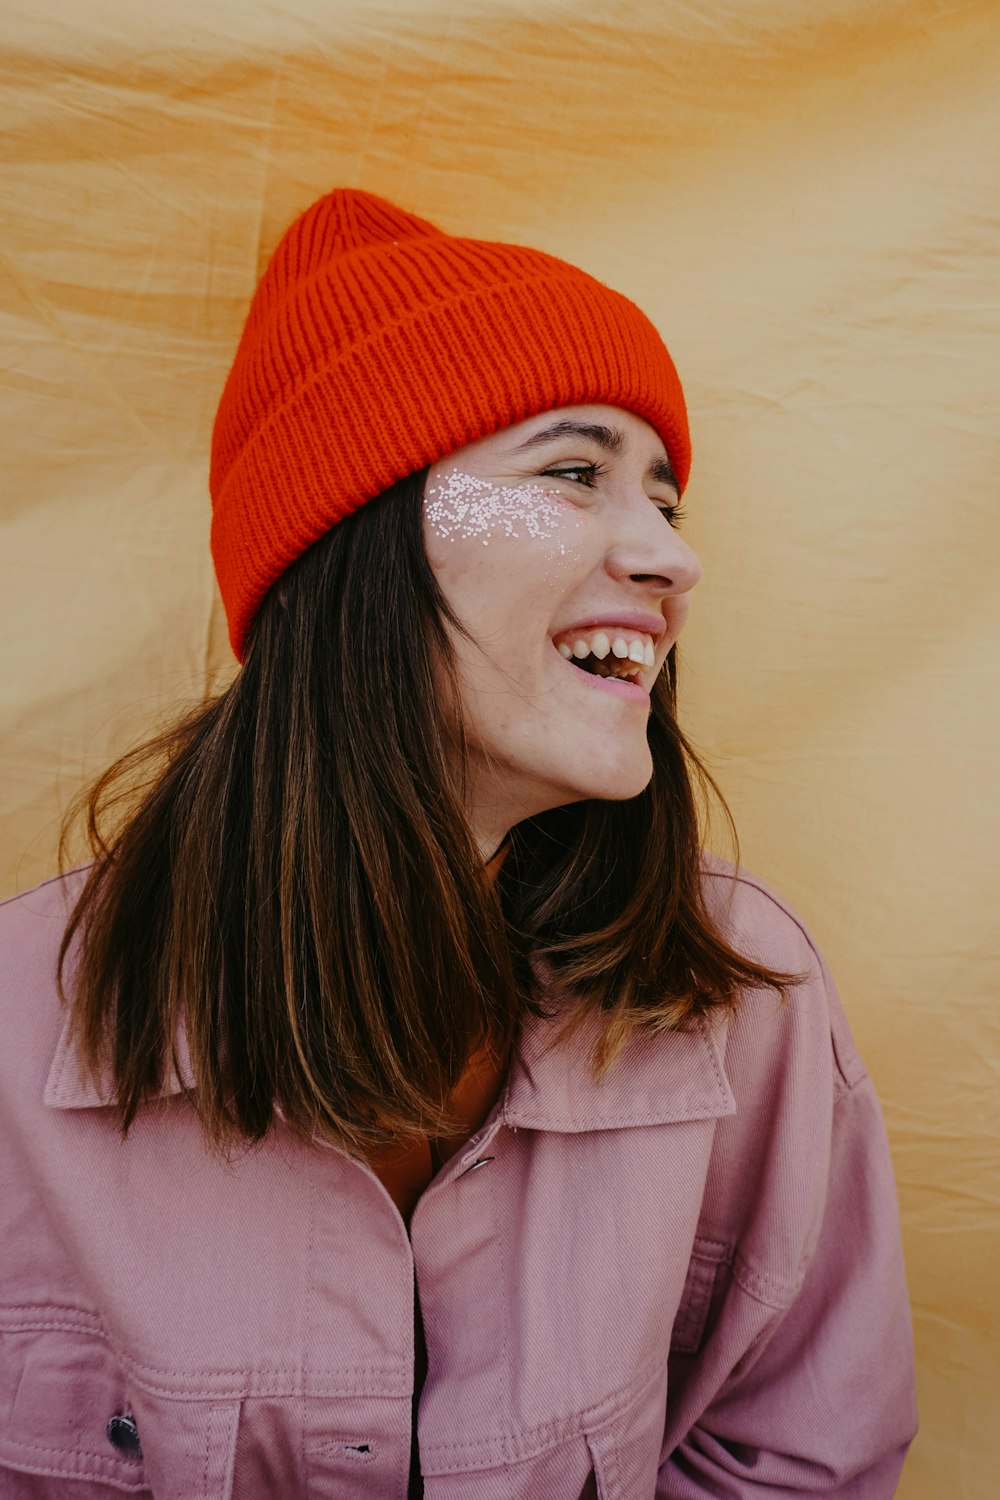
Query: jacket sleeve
{"type": "Point", "coordinates": [809, 1392]}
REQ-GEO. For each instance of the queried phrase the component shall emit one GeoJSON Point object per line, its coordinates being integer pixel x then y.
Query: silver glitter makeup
{"type": "Point", "coordinates": [463, 506]}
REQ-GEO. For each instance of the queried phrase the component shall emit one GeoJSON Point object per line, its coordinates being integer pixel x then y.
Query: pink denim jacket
{"type": "Point", "coordinates": [686, 1281]}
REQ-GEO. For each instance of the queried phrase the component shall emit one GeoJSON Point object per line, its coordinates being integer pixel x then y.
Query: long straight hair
{"type": "Point", "coordinates": [287, 875]}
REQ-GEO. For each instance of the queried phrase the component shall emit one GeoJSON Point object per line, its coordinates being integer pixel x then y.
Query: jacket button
{"type": "Point", "coordinates": [123, 1434]}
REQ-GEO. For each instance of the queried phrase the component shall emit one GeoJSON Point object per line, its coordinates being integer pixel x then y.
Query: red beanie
{"type": "Point", "coordinates": [375, 345]}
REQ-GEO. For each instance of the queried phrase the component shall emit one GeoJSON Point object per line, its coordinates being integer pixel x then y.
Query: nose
{"type": "Point", "coordinates": [645, 546]}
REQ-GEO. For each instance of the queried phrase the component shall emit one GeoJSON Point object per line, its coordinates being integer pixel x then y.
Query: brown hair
{"type": "Point", "coordinates": [292, 876]}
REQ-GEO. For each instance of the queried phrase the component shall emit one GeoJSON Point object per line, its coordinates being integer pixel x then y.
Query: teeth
{"type": "Point", "coordinates": [633, 653]}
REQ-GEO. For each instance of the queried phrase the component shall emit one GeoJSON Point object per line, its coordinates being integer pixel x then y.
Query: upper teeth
{"type": "Point", "coordinates": [637, 648]}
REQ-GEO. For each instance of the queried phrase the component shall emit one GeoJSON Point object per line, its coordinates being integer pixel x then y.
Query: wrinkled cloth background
{"type": "Point", "coordinates": [803, 195]}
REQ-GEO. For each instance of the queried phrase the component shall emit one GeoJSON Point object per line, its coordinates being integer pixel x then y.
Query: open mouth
{"type": "Point", "coordinates": [614, 675]}
{"type": "Point", "coordinates": [611, 666]}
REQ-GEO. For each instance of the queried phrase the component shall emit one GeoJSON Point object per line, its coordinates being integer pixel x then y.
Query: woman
{"type": "Point", "coordinates": [430, 1114]}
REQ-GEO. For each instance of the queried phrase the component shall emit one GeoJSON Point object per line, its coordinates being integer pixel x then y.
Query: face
{"type": "Point", "coordinates": [554, 542]}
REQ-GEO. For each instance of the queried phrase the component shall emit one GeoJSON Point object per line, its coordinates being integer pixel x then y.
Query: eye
{"type": "Point", "coordinates": [586, 474]}
{"type": "Point", "coordinates": [674, 513]}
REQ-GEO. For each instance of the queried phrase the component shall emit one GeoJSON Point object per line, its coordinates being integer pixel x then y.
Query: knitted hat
{"type": "Point", "coordinates": [377, 344]}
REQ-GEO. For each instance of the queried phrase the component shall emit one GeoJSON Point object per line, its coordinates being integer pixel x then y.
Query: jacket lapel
{"type": "Point", "coordinates": [656, 1080]}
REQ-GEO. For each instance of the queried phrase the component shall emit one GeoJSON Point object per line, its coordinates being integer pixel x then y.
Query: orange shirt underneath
{"type": "Point", "coordinates": [405, 1173]}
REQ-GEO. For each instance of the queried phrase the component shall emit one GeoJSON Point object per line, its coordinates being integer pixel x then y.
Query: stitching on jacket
{"type": "Point", "coordinates": [259, 1382]}
{"type": "Point", "coordinates": [220, 1441]}
{"type": "Point", "coordinates": [52, 1327]}
{"type": "Point", "coordinates": [500, 1240]}
{"type": "Point", "coordinates": [692, 1312]}
{"type": "Point", "coordinates": [707, 1255]}
{"type": "Point", "coordinates": [60, 1072]}
{"type": "Point", "coordinates": [600, 1121]}
{"type": "Point", "coordinates": [603, 1122]}
{"type": "Point", "coordinates": [278, 1381]}
{"type": "Point", "coordinates": [208, 1453]}
{"type": "Point", "coordinates": [21, 1317]}
{"type": "Point", "coordinates": [37, 1471]}
{"type": "Point", "coordinates": [603, 1449]}
{"type": "Point", "coordinates": [531, 1441]}
{"type": "Point", "coordinates": [210, 1442]}
{"type": "Point", "coordinates": [721, 1080]}
{"type": "Point", "coordinates": [767, 1290]}
{"type": "Point", "coordinates": [706, 1249]}
{"type": "Point", "coordinates": [101, 1466]}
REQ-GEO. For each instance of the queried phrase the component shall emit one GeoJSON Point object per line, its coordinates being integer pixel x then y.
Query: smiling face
{"type": "Point", "coordinates": [554, 543]}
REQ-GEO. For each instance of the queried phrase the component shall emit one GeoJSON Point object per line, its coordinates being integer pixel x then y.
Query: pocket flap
{"type": "Point", "coordinates": [60, 1388]}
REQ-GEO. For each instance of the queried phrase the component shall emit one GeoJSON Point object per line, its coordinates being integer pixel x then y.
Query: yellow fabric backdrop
{"type": "Point", "coordinates": [804, 197]}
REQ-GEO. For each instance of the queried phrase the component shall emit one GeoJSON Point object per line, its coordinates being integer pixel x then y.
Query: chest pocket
{"type": "Point", "coordinates": [68, 1413]}
{"type": "Point", "coordinates": [60, 1390]}
{"type": "Point", "coordinates": [703, 1286]}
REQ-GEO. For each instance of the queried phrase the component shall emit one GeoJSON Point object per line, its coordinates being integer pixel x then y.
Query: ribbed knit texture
{"type": "Point", "coordinates": [375, 345]}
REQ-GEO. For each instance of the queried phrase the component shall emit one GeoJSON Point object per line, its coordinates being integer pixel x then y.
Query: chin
{"type": "Point", "coordinates": [616, 784]}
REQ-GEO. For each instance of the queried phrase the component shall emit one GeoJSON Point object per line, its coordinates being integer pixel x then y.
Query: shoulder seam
{"type": "Point", "coordinates": [747, 879]}
{"type": "Point", "coordinates": [52, 880]}
{"type": "Point", "coordinates": [844, 1080]}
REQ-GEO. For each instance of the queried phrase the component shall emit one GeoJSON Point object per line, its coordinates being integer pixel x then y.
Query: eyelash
{"type": "Point", "coordinates": [674, 513]}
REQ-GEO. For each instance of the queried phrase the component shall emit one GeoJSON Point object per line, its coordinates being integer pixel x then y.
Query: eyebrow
{"type": "Point", "coordinates": [611, 439]}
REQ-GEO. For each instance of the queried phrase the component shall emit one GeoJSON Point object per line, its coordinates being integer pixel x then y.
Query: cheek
{"type": "Point", "coordinates": [488, 542]}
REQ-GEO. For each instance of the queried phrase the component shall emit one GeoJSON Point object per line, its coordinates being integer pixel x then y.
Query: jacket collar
{"type": "Point", "coordinates": [68, 1087]}
{"type": "Point", "coordinates": [656, 1080]}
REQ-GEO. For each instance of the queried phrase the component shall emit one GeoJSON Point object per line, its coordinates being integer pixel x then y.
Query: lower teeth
{"type": "Point", "coordinates": [602, 671]}
{"type": "Point", "coordinates": [598, 668]}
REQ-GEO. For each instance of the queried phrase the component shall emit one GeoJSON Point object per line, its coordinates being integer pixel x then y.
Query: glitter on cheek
{"type": "Point", "coordinates": [463, 507]}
